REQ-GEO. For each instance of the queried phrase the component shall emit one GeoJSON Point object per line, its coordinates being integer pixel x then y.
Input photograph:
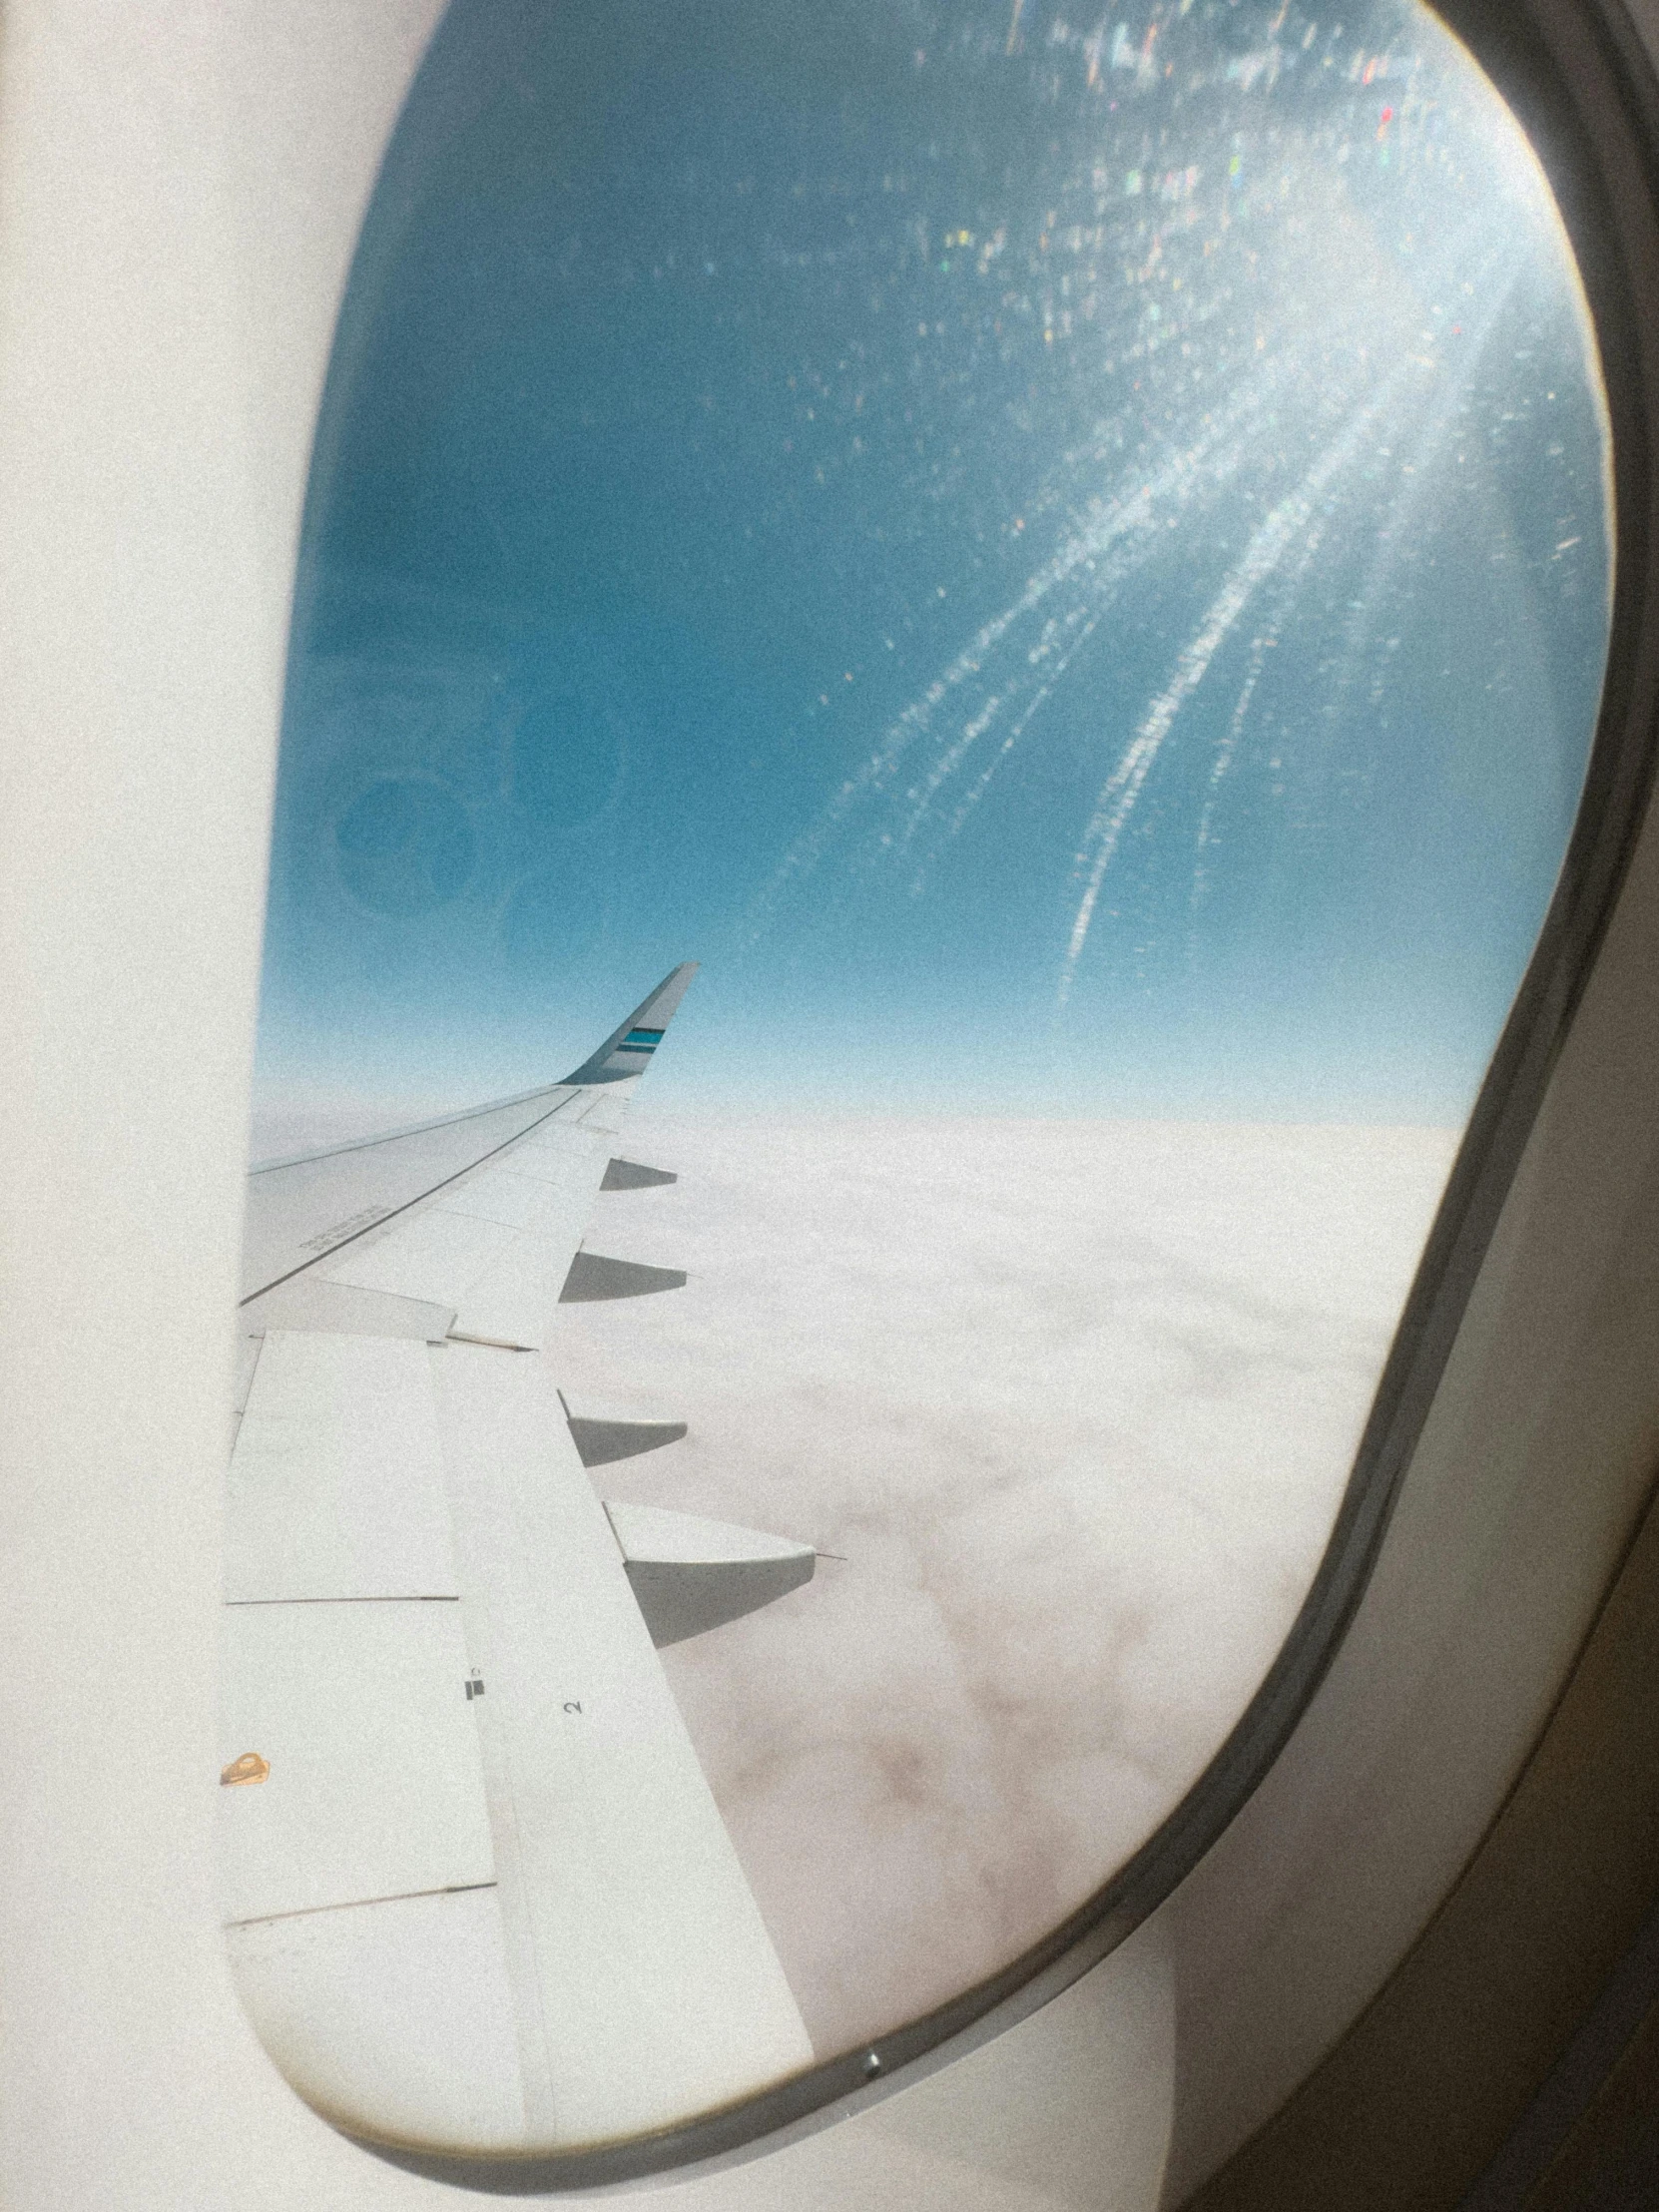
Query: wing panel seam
{"type": "Point", "coordinates": [317, 1258]}
{"type": "Point", "coordinates": [353, 1905]}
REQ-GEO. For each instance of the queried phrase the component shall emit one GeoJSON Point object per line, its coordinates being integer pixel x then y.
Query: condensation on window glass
{"type": "Point", "coordinates": [1066, 559]}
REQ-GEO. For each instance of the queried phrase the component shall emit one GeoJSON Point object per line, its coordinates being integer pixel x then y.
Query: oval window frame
{"type": "Point", "coordinates": [1577, 80]}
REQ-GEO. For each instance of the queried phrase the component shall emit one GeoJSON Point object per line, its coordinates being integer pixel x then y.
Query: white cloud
{"type": "Point", "coordinates": [1078, 1401]}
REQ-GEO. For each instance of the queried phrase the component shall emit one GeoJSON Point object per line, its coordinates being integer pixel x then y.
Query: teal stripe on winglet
{"type": "Point", "coordinates": [629, 1046]}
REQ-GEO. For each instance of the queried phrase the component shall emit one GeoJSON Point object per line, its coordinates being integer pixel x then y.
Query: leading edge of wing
{"type": "Point", "coordinates": [300, 1210]}
{"type": "Point", "coordinates": [661, 1003]}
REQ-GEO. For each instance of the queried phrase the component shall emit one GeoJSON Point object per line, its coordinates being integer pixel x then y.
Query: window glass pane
{"type": "Point", "coordinates": [1067, 562]}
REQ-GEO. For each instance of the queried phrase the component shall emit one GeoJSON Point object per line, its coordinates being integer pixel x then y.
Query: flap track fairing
{"type": "Point", "coordinates": [690, 1574]}
{"type": "Point", "coordinates": [592, 1275]}
{"type": "Point", "coordinates": [601, 1441]}
{"type": "Point", "coordinates": [629, 1175]}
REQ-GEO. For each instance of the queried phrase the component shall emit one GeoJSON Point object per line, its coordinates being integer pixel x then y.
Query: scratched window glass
{"type": "Point", "coordinates": [1065, 560]}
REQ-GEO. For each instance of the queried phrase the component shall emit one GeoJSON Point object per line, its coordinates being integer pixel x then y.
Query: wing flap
{"type": "Point", "coordinates": [395, 2020]}
{"type": "Point", "coordinates": [558, 1153]}
{"type": "Point", "coordinates": [481, 1896]}
{"type": "Point", "coordinates": [518, 1201]}
{"type": "Point", "coordinates": [641, 1981]}
{"type": "Point", "coordinates": [310, 1302]}
{"type": "Point", "coordinates": [336, 1488]}
{"type": "Point", "coordinates": [432, 1255]}
{"type": "Point", "coordinates": [640, 1951]}
{"type": "Point", "coordinates": [375, 1789]}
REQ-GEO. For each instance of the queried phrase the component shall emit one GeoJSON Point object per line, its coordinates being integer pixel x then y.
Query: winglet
{"type": "Point", "coordinates": [627, 1051]}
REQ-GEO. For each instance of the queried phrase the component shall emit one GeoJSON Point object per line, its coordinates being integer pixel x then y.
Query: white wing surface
{"type": "Point", "coordinates": [478, 1897]}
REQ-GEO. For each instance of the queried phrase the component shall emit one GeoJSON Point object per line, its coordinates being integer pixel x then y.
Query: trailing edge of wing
{"type": "Point", "coordinates": [477, 1924]}
{"type": "Point", "coordinates": [551, 1942]}
{"type": "Point", "coordinates": [627, 1051]}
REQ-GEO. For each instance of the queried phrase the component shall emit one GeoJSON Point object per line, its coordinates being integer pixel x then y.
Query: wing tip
{"type": "Point", "coordinates": [627, 1050]}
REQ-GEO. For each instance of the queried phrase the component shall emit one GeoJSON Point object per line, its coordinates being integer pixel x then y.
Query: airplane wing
{"type": "Point", "coordinates": [478, 1897]}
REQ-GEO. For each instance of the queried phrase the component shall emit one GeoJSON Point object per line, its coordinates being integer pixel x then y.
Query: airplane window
{"type": "Point", "coordinates": [1066, 561]}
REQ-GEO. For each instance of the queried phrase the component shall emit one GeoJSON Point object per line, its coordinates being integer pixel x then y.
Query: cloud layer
{"type": "Point", "coordinates": [1077, 1401]}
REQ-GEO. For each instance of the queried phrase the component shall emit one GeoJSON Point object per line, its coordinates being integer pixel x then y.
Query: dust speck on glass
{"type": "Point", "coordinates": [1066, 559]}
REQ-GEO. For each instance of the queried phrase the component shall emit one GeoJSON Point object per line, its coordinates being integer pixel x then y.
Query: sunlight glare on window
{"type": "Point", "coordinates": [1066, 561]}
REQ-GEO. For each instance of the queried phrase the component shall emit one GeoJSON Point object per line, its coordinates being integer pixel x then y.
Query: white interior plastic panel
{"type": "Point", "coordinates": [375, 1787]}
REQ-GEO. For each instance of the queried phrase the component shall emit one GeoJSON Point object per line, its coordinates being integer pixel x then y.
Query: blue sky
{"type": "Point", "coordinates": [1068, 567]}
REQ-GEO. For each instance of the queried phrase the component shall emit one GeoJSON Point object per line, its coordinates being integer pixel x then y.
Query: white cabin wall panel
{"type": "Point", "coordinates": [180, 190]}
{"type": "Point", "coordinates": [1069, 2110]}
{"type": "Point", "coordinates": [1533, 1467]}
